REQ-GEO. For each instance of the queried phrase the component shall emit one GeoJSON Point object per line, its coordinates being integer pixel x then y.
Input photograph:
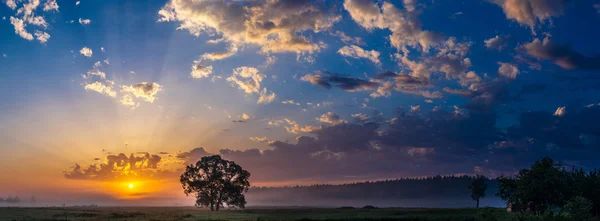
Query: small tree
{"type": "Point", "coordinates": [579, 208]}
{"type": "Point", "coordinates": [215, 181]}
{"type": "Point", "coordinates": [478, 187]}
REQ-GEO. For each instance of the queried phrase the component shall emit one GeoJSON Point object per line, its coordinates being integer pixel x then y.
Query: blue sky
{"type": "Point", "coordinates": [424, 87]}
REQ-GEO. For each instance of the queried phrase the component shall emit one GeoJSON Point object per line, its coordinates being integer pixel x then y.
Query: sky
{"type": "Point", "coordinates": [97, 95]}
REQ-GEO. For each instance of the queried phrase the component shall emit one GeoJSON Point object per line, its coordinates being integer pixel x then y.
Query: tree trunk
{"type": "Point", "coordinates": [478, 203]}
{"type": "Point", "coordinates": [212, 206]}
{"type": "Point", "coordinates": [218, 206]}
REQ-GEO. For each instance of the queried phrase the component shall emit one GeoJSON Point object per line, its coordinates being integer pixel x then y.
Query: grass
{"type": "Point", "coordinates": [263, 214]}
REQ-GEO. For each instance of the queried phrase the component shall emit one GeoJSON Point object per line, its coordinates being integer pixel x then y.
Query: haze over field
{"type": "Point", "coordinates": [105, 102]}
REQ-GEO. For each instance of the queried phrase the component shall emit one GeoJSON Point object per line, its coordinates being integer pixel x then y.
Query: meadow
{"type": "Point", "coordinates": [257, 213]}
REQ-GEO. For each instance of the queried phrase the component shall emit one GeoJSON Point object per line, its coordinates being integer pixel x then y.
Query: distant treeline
{"type": "Point", "coordinates": [15, 199]}
{"type": "Point", "coordinates": [403, 188]}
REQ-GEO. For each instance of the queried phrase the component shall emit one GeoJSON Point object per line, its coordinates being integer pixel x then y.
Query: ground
{"type": "Point", "coordinates": [191, 213]}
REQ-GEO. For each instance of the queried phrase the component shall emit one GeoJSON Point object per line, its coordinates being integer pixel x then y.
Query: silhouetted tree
{"type": "Point", "coordinates": [478, 187]}
{"type": "Point", "coordinates": [215, 181]}
{"type": "Point", "coordinates": [544, 186]}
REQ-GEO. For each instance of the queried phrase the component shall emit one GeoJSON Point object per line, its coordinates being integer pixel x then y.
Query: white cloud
{"type": "Point", "coordinates": [248, 79]}
{"type": "Point", "coordinates": [496, 43]}
{"type": "Point", "coordinates": [357, 52]}
{"type": "Point", "coordinates": [102, 49]}
{"type": "Point", "coordinates": [259, 139]}
{"type": "Point", "coordinates": [560, 111]}
{"type": "Point", "coordinates": [11, 4]}
{"type": "Point", "coordinates": [28, 15]}
{"type": "Point", "coordinates": [102, 88]}
{"type": "Point", "coordinates": [106, 61]}
{"type": "Point", "coordinates": [274, 26]}
{"type": "Point", "coordinates": [95, 72]}
{"type": "Point", "coordinates": [361, 117]}
{"type": "Point", "coordinates": [265, 97]}
{"type": "Point", "coordinates": [384, 90]}
{"type": "Point", "coordinates": [292, 102]}
{"type": "Point", "coordinates": [508, 70]}
{"type": "Point", "coordinates": [144, 90]}
{"type": "Point", "coordinates": [416, 108]}
{"type": "Point", "coordinates": [20, 28]}
{"type": "Point", "coordinates": [42, 36]}
{"type": "Point", "coordinates": [50, 5]}
{"type": "Point", "coordinates": [530, 12]}
{"type": "Point", "coordinates": [127, 100]}
{"type": "Point", "coordinates": [245, 116]}
{"type": "Point", "coordinates": [347, 39]}
{"type": "Point", "coordinates": [84, 21]}
{"type": "Point", "coordinates": [98, 64]}
{"type": "Point", "coordinates": [295, 128]}
{"type": "Point", "coordinates": [331, 118]}
{"type": "Point", "coordinates": [77, 2]}
{"type": "Point", "coordinates": [85, 51]}
{"type": "Point", "coordinates": [404, 25]}
{"type": "Point", "coordinates": [200, 71]}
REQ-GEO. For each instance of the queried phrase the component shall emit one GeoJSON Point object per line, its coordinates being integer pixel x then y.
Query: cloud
{"type": "Point", "coordinates": [102, 88]}
{"type": "Point", "coordinates": [128, 101]}
{"type": "Point", "coordinates": [416, 108]}
{"type": "Point", "coordinates": [84, 21]}
{"type": "Point", "coordinates": [144, 90]}
{"type": "Point", "coordinates": [249, 79]}
{"type": "Point", "coordinates": [85, 51]}
{"type": "Point", "coordinates": [560, 111]}
{"type": "Point", "coordinates": [328, 80]}
{"type": "Point", "coordinates": [496, 43]}
{"type": "Point", "coordinates": [405, 26]}
{"type": "Point", "coordinates": [12, 4]}
{"type": "Point", "coordinates": [292, 126]}
{"type": "Point", "coordinates": [347, 39]}
{"type": "Point", "coordinates": [50, 5]}
{"type": "Point", "coordinates": [42, 36]}
{"type": "Point", "coordinates": [384, 90]}
{"type": "Point", "coordinates": [77, 3]}
{"type": "Point", "coordinates": [450, 60]}
{"type": "Point", "coordinates": [200, 71]}
{"type": "Point", "coordinates": [260, 139]}
{"type": "Point", "coordinates": [121, 167]}
{"type": "Point", "coordinates": [273, 26]}
{"type": "Point", "coordinates": [245, 116]}
{"type": "Point", "coordinates": [354, 51]}
{"type": "Point", "coordinates": [20, 28]}
{"type": "Point", "coordinates": [507, 70]}
{"type": "Point", "coordinates": [95, 72]}
{"type": "Point", "coordinates": [563, 55]}
{"type": "Point", "coordinates": [331, 118]}
{"type": "Point", "coordinates": [597, 7]}
{"type": "Point", "coordinates": [530, 12]}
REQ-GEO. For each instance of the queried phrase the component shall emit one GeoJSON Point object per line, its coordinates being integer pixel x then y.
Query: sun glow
{"type": "Point", "coordinates": [131, 186]}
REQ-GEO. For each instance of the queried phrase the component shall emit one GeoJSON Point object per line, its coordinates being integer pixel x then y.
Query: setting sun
{"type": "Point", "coordinates": [131, 186]}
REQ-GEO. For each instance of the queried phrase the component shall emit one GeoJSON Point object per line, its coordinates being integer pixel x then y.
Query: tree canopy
{"type": "Point", "coordinates": [216, 182]}
{"type": "Point", "coordinates": [478, 187]}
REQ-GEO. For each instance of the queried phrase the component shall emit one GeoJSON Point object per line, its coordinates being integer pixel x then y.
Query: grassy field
{"type": "Point", "coordinates": [191, 213]}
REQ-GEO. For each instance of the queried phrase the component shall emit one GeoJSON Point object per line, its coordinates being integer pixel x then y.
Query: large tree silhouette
{"type": "Point", "coordinates": [478, 187]}
{"type": "Point", "coordinates": [216, 182]}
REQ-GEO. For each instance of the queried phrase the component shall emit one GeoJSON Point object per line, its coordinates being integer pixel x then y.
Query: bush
{"type": "Point", "coordinates": [578, 208]}
{"type": "Point", "coordinates": [369, 207]}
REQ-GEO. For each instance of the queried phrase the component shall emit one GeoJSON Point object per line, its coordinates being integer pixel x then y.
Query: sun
{"type": "Point", "coordinates": [131, 186]}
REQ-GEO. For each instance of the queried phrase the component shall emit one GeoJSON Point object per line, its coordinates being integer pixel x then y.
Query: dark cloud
{"type": "Point", "coordinates": [118, 167]}
{"type": "Point", "coordinates": [530, 89]}
{"type": "Point", "coordinates": [563, 55]}
{"type": "Point", "coordinates": [328, 79]}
